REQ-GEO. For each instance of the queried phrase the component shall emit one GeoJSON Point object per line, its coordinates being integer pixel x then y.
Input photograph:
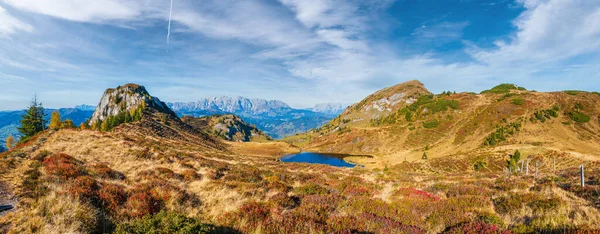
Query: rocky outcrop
{"type": "Point", "coordinates": [127, 98]}
{"type": "Point", "coordinates": [228, 127]}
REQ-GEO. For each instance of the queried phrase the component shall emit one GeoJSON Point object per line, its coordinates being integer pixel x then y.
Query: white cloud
{"type": "Point", "coordinates": [10, 24]}
{"type": "Point", "coordinates": [78, 10]}
{"type": "Point", "coordinates": [249, 21]}
{"type": "Point", "coordinates": [322, 48]}
{"type": "Point", "coordinates": [549, 31]}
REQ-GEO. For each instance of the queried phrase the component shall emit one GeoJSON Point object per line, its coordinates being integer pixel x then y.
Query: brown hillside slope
{"type": "Point", "coordinates": [90, 181]}
{"type": "Point", "coordinates": [458, 124]}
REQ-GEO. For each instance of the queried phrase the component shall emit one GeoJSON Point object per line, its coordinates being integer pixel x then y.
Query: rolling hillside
{"type": "Point", "coordinates": [405, 121]}
{"type": "Point", "coordinates": [140, 169]}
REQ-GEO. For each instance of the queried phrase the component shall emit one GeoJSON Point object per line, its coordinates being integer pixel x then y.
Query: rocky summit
{"type": "Point", "coordinates": [126, 98]}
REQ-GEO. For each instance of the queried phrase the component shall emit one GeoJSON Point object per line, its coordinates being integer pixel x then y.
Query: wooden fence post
{"type": "Point", "coordinates": [582, 176]}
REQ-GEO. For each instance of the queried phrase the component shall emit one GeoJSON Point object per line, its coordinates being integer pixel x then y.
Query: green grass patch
{"type": "Point", "coordinates": [502, 133]}
{"type": "Point", "coordinates": [431, 124]}
{"type": "Point", "coordinates": [579, 117]}
{"type": "Point", "coordinates": [411, 113]}
{"type": "Point", "coordinates": [503, 88]}
{"type": "Point", "coordinates": [573, 92]}
{"type": "Point", "coordinates": [518, 101]}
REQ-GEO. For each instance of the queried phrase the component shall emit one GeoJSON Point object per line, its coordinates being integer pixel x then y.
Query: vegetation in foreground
{"type": "Point", "coordinates": [159, 175]}
{"type": "Point", "coordinates": [65, 184]}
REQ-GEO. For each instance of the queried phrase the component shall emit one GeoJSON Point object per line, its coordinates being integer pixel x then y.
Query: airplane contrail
{"type": "Point", "coordinates": [169, 27]}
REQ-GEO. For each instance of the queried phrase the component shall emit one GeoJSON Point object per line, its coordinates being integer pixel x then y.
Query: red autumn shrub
{"type": "Point", "coordinates": [357, 191]}
{"type": "Point", "coordinates": [102, 170]}
{"type": "Point", "coordinates": [84, 187]}
{"type": "Point", "coordinates": [63, 166]}
{"type": "Point", "coordinates": [285, 201]}
{"type": "Point", "coordinates": [159, 173]}
{"type": "Point", "coordinates": [112, 196]}
{"type": "Point", "coordinates": [369, 223]}
{"type": "Point", "coordinates": [140, 204]}
{"type": "Point", "coordinates": [415, 193]}
{"type": "Point", "coordinates": [254, 212]}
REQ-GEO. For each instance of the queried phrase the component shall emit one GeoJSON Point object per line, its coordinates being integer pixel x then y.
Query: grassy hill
{"type": "Point", "coordinates": [404, 121]}
{"type": "Point", "coordinates": [158, 174]}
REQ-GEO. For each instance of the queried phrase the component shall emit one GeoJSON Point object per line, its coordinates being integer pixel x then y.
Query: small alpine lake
{"type": "Point", "coordinates": [336, 160]}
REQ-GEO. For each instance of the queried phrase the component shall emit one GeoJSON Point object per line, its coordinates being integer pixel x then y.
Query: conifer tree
{"type": "Point", "coordinates": [55, 121]}
{"type": "Point", "coordinates": [32, 122]}
{"type": "Point", "coordinates": [424, 156]}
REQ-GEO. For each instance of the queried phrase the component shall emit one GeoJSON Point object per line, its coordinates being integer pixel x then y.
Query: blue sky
{"type": "Point", "coordinates": [302, 52]}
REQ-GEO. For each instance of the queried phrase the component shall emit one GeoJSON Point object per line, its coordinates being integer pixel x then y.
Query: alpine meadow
{"type": "Point", "coordinates": [300, 116]}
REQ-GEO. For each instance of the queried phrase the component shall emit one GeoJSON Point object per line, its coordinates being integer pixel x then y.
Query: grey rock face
{"type": "Point", "coordinates": [125, 98]}
{"type": "Point", "coordinates": [232, 105]}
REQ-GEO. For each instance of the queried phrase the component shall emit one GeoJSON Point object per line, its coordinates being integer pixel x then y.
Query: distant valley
{"type": "Point", "coordinates": [275, 118]}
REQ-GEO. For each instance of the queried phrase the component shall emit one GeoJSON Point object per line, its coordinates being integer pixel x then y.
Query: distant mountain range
{"type": "Point", "coordinates": [275, 118]}
{"type": "Point", "coordinates": [334, 109]}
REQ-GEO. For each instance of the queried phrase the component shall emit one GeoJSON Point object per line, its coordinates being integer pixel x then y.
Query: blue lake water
{"type": "Point", "coordinates": [308, 157]}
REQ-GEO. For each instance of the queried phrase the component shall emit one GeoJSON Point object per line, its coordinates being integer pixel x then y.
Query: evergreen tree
{"type": "Point", "coordinates": [55, 122]}
{"type": "Point", "coordinates": [424, 156]}
{"type": "Point", "coordinates": [32, 122]}
{"type": "Point", "coordinates": [107, 124]}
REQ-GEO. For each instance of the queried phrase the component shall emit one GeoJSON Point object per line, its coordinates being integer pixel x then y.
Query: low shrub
{"type": "Point", "coordinates": [159, 172]}
{"type": "Point", "coordinates": [415, 193]}
{"type": "Point", "coordinates": [141, 204]}
{"type": "Point", "coordinates": [431, 124]}
{"type": "Point", "coordinates": [369, 223]}
{"type": "Point", "coordinates": [490, 218]}
{"type": "Point", "coordinates": [63, 166]}
{"type": "Point", "coordinates": [285, 201]}
{"type": "Point", "coordinates": [112, 196]}
{"type": "Point", "coordinates": [164, 222]}
{"type": "Point", "coordinates": [103, 171]}
{"type": "Point", "coordinates": [579, 117]}
{"type": "Point", "coordinates": [84, 187]}
{"type": "Point", "coordinates": [508, 204]}
{"type": "Point", "coordinates": [311, 189]}
{"type": "Point", "coordinates": [518, 101]}
{"type": "Point", "coordinates": [476, 227]}
{"type": "Point", "coordinates": [32, 186]}
{"type": "Point", "coordinates": [190, 175]}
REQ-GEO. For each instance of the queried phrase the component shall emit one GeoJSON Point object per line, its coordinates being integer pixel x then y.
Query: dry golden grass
{"type": "Point", "coordinates": [463, 131]}
{"type": "Point", "coordinates": [263, 149]}
{"type": "Point", "coordinates": [442, 191]}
